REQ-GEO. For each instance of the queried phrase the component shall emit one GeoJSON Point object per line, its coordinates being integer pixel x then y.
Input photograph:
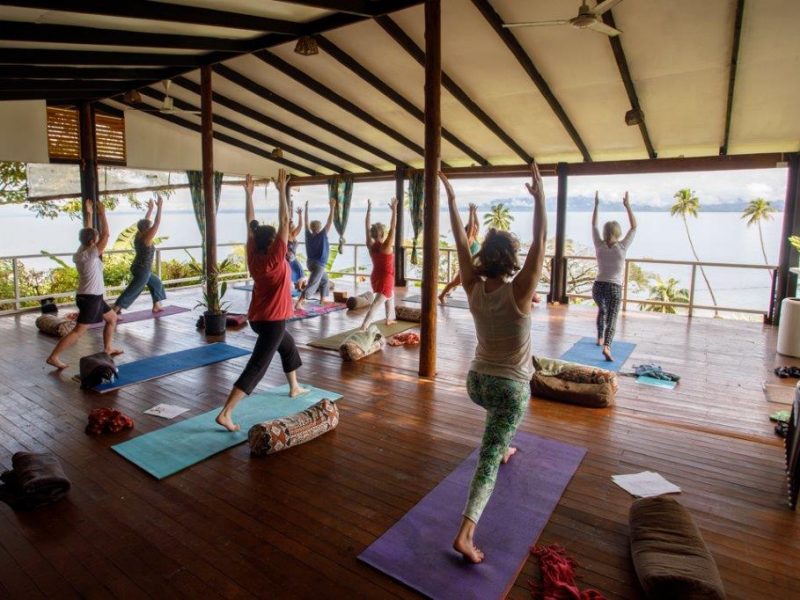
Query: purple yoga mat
{"type": "Point", "coordinates": [143, 315]}
{"type": "Point", "coordinates": [417, 550]}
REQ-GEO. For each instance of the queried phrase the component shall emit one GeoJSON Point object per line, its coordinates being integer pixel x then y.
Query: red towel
{"type": "Point", "coordinates": [107, 420]}
{"type": "Point", "coordinates": [404, 339]}
{"type": "Point", "coordinates": [558, 576]}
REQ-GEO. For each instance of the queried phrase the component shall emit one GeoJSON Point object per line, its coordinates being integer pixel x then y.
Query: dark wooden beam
{"type": "Point", "coordinates": [627, 81]}
{"type": "Point", "coordinates": [163, 11]}
{"type": "Point", "coordinates": [786, 285]}
{"type": "Point", "coordinates": [327, 93]}
{"type": "Point", "coordinates": [295, 109]}
{"type": "Point", "coordinates": [402, 38]}
{"type": "Point", "coordinates": [348, 61]}
{"type": "Point", "coordinates": [737, 34]}
{"type": "Point", "coordinates": [62, 96]}
{"type": "Point", "coordinates": [246, 111]}
{"type": "Point", "coordinates": [75, 86]}
{"type": "Point", "coordinates": [90, 187]}
{"type": "Point", "coordinates": [239, 128]}
{"type": "Point", "coordinates": [363, 8]}
{"type": "Point", "coordinates": [26, 56]}
{"type": "Point", "coordinates": [209, 199]}
{"type": "Point", "coordinates": [110, 73]}
{"type": "Point", "coordinates": [558, 274]}
{"type": "Point", "coordinates": [525, 61]}
{"type": "Point", "coordinates": [94, 36]}
{"type": "Point", "coordinates": [433, 147]}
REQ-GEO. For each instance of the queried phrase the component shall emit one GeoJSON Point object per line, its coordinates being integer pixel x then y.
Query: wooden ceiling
{"type": "Point", "coordinates": [711, 77]}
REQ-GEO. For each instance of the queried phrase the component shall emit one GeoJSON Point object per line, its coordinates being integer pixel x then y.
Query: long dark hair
{"type": "Point", "coordinates": [498, 255]}
{"type": "Point", "coordinates": [263, 236]}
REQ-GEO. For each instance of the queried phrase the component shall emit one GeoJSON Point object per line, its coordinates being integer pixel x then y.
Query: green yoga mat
{"type": "Point", "coordinates": [333, 342]}
{"type": "Point", "coordinates": [166, 451]}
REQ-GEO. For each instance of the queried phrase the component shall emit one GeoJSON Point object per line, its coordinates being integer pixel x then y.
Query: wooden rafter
{"type": "Point", "coordinates": [348, 61]}
{"type": "Point", "coordinates": [402, 38]}
{"type": "Point", "coordinates": [251, 113]}
{"type": "Point", "coordinates": [25, 56]}
{"type": "Point", "coordinates": [301, 112]}
{"type": "Point", "coordinates": [737, 34]}
{"type": "Point", "coordinates": [74, 86]}
{"type": "Point", "coordinates": [362, 8]}
{"type": "Point", "coordinates": [163, 11]}
{"type": "Point", "coordinates": [116, 73]}
{"type": "Point", "coordinates": [627, 80]}
{"type": "Point", "coordinates": [527, 64]}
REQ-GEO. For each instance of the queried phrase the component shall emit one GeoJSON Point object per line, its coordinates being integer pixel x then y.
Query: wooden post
{"type": "Point", "coordinates": [787, 282]}
{"type": "Point", "coordinates": [90, 188]}
{"type": "Point", "coordinates": [207, 144]}
{"type": "Point", "coordinates": [433, 142]}
{"type": "Point", "coordinates": [558, 275]}
{"type": "Point", "coordinates": [399, 252]}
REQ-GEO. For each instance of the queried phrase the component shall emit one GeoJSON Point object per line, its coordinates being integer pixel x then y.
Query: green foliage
{"type": "Point", "coordinates": [665, 291]}
{"type": "Point", "coordinates": [499, 217]}
{"type": "Point", "coordinates": [758, 210]}
{"type": "Point", "coordinates": [794, 240]}
{"type": "Point", "coordinates": [212, 299]}
{"type": "Point", "coordinates": [686, 203]}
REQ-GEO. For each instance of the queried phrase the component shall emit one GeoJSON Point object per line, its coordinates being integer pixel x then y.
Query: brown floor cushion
{"type": "Point", "coordinates": [409, 313]}
{"type": "Point", "coordinates": [669, 554]}
{"type": "Point", "coordinates": [54, 325]}
{"type": "Point", "coordinates": [287, 432]}
{"type": "Point", "coordinates": [573, 383]}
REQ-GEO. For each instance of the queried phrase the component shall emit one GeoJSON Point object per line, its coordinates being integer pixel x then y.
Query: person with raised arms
{"type": "Point", "coordinates": [317, 250]}
{"type": "Point", "coordinates": [499, 293]}
{"type": "Point", "coordinates": [381, 251]}
{"type": "Point", "coordinates": [472, 228]}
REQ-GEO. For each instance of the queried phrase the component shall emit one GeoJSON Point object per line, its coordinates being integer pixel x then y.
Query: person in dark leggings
{"type": "Point", "coordinates": [270, 306]}
{"type": "Point", "coordinates": [142, 265]}
{"type": "Point", "coordinates": [607, 289]}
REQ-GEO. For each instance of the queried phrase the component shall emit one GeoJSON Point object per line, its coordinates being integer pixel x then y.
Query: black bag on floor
{"type": "Point", "coordinates": [96, 369]}
{"type": "Point", "coordinates": [34, 480]}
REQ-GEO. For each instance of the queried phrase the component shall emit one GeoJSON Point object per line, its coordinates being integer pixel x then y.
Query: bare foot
{"type": "Point", "coordinates": [390, 322]}
{"type": "Point", "coordinates": [299, 304]}
{"type": "Point", "coordinates": [115, 352]}
{"type": "Point", "coordinates": [599, 341]}
{"type": "Point", "coordinates": [443, 298]}
{"type": "Point", "coordinates": [509, 453]}
{"type": "Point", "coordinates": [296, 391]}
{"type": "Point", "coordinates": [54, 362]}
{"type": "Point", "coordinates": [117, 309]}
{"type": "Point", "coordinates": [468, 550]}
{"type": "Point", "coordinates": [157, 308]}
{"type": "Point", "coordinates": [226, 422]}
{"type": "Point", "coordinates": [607, 354]}
{"type": "Point", "coordinates": [536, 298]}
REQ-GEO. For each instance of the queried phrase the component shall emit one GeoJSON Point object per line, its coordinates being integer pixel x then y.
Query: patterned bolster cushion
{"type": "Point", "coordinates": [54, 325]}
{"type": "Point", "coordinates": [273, 436]}
{"type": "Point", "coordinates": [669, 554]}
{"type": "Point", "coordinates": [360, 301]}
{"type": "Point", "coordinates": [409, 313]}
{"type": "Point", "coordinates": [573, 383]}
{"type": "Point", "coordinates": [359, 344]}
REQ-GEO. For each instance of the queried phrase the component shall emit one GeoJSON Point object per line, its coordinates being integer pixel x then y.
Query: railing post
{"type": "Point", "coordinates": [625, 286]}
{"type": "Point", "coordinates": [158, 263]}
{"type": "Point", "coordinates": [691, 288]}
{"type": "Point", "coordinates": [15, 269]}
{"type": "Point", "coordinates": [449, 267]}
{"type": "Point", "coordinates": [355, 264]}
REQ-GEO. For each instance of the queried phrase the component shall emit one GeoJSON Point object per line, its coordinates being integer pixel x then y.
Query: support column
{"type": "Point", "coordinates": [399, 237]}
{"type": "Point", "coordinates": [787, 282]}
{"type": "Point", "coordinates": [558, 275]}
{"type": "Point", "coordinates": [90, 187]}
{"type": "Point", "coordinates": [433, 143]}
{"type": "Point", "coordinates": [207, 144]}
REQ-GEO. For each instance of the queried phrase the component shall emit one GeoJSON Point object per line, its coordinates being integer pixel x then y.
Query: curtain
{"type": "Point", "coordinates": [416, 193]}
{"type": "Point", "coordinates": [196, 191]}
{"type": "Point", "coordinates": [340, 188]}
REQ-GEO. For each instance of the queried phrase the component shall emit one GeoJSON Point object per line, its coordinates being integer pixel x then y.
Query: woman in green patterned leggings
{"type": "Point", "coordinates": [500, 294]}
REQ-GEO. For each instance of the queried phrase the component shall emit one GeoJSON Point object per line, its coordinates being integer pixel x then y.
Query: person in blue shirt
{"type": "Point", "coordinates": [317, 251]}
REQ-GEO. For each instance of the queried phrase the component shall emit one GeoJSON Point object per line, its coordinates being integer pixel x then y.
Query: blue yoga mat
{"type": "Point", "coordinates": [655, 382]}
{"type": "Point", "coordinates": [587, 352]}
{"type": "Point", "coordinates": [166, 451]}
{"type": "Point", "coordinates": [158, 366]}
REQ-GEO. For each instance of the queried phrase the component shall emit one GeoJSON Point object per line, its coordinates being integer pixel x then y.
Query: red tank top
{"type": "Point", "coordinates": [382, 278]}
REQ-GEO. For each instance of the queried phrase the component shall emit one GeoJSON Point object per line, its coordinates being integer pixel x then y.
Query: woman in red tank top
{"type": "Point", "coordinates": [381, 251]}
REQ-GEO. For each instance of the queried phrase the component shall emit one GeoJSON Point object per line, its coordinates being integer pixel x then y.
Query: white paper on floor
{"type": "Point", "coordinates": [645, 484]}
{"type": "Point", "coordinates": [167, 411]}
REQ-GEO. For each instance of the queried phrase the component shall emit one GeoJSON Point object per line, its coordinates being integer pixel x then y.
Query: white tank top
{"type": "Point", "coordinates": [503, 331]}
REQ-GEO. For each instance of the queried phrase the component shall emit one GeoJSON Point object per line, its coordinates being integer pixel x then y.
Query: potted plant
{"type": "Point", "coordinates": [215, 315]}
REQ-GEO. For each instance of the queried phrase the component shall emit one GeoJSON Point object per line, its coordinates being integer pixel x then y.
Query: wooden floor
{"type": "Point", "coordinates": [291, 525]}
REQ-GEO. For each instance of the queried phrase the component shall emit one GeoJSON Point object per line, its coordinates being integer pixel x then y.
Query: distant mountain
{"type": "Point", "coordinates": [586, 204]}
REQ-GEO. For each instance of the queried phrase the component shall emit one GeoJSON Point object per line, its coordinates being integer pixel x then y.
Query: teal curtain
{"type": "Point", "coordinates": [340, 188]}
{"type": "Point", "coordinates": [416, 194]}
{"type": "Point", "coordinates": [196, 191]}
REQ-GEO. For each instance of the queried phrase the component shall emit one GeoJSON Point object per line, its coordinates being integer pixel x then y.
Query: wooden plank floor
{"type": "Point", "coordinates": [291, 525]}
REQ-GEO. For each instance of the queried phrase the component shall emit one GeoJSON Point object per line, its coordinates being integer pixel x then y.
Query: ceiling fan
{"type": "Point", "coordinates": [167, 104]}
{"type": "Point", "coordinates": [588, 18]}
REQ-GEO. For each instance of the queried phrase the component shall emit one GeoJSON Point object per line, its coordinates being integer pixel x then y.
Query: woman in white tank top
{"type": "Point", "coordinates": [500, 374]}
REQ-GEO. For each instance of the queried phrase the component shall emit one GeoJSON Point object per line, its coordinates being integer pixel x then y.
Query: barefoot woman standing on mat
{"type": "Point", "coordinates": [381, 251]}
{"type": "Point", "coordinates": [318, 251]}
{"type": "Point", "coordinates": [92, 308]}
{"type": "Point", "coordinates": [607, 289]}
{"type": "Point", "coordinates": [142, 265]}
{"type": "Point", "coordinates": [500, 374]}
{"type": "Point", "coordinates": [270, 305]}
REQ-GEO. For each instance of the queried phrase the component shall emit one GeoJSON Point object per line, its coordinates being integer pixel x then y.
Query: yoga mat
{"type": "Point", "coordinates": [454, 302]}
{"type": "Point", "coordinates": [333, 342]}
{"type": "Point", "coordinates": [143, 315]}
{"type": "Point", "coordinates": [248, 287]}
{"type": "Point", "coordinates": [158, 366]}
{"type": "Point", "coordinates": [310, 311]}
{"type": "Point", "coordinates": [417, 550]}
{"type": "Point", "coordinates": [780, 394]}
{"type": "Point", "coordinates": [166, 451]}
{"type": "Point", "coordinates": [655, 382]}
{"type": "Point", "coordinates": [587, 352]}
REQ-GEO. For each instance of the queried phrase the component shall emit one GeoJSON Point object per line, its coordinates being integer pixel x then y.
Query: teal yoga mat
{"type": "Point", "coordinates": [166, 451]}
{"type": "Point", "coordinates": [655, 382]}
{"type": "Point", "coordinates": [587, 352]}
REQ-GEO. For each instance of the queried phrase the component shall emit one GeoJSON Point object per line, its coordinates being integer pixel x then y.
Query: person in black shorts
{"type": "Point", "coordinates": [92, 308]}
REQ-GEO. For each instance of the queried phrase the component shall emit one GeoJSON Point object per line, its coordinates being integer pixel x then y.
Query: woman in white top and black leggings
{"type": "Point", "coordinates": [500, 292]}
{"type": "Point", "coordinates": [607, 289]}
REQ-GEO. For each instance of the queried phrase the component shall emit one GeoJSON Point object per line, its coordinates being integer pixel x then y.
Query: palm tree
{"type": "Point", "coordinates": [665, 291]}
{"type": "Point", "coordinates": [499, 217]}
{"type": "Point", "coordinates": [686, 203]}
{"type": "Point", "coordinates": [759, 210]}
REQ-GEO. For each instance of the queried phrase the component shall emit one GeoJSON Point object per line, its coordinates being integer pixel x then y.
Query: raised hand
{"type": "Point", "coordinates": [101, 208]}
{"type": "Point", "coordinates": [473, 207]}
{"type": "Point", "coordinates": [249, 185]}
{"type": "Point", "coordinates": [535, 187]}
{"type": "Point", "coordinates": [283, 179]}
{"type": "Point", "coordinates": [89, 205]}
{"type": "Point", "coordinates": [369, 203]}
{"type": "Point", "coordinates": [332, 202]}
{"type": "Point", "coordinates": [451, 195]}
{"type": "Point", "coordinates": [393, 203]}
{"type": "Point", "coordinates": [596, 198]}
{"type": "Point", "coordinates": [626, 201]}
{"type": "Point", "coordinates": [299, 211]}
{"type": "Point", "coordinates": [150, 204]}
{"type": "Point", "coordinates": [159, 201]}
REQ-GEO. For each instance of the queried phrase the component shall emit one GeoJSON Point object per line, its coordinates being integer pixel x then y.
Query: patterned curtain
{"type": "Point", "coordinates": [196, 191]}
{"type": "Point", "coordinates": [416, 193]}
{"type": "Point", "coordinates": [341, 189]}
